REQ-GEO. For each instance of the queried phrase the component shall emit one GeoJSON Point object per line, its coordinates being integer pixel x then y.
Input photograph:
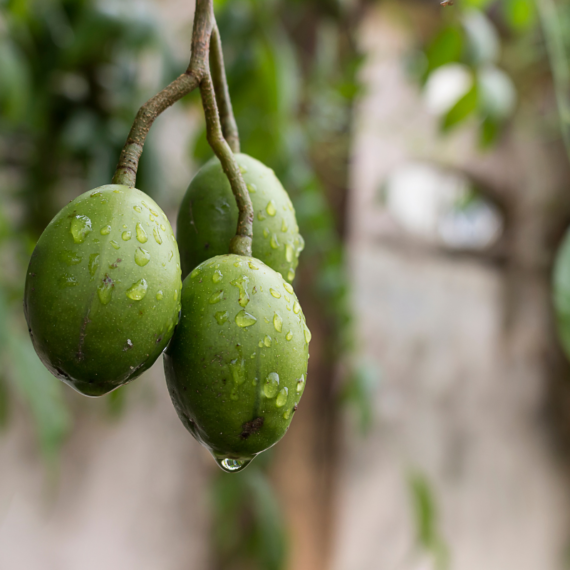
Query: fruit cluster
{"type": "Point", "coordinates": [104, 298]}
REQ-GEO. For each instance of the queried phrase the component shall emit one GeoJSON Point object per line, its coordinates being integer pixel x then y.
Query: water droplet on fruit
{"type": "Point", "coordinates": [237, 264]}
{"type": "Point", "coordinates": [289, 252]}
{"type": "Point", "coordinates": [105, 230]}
{"type": "Point", "coordinates": [221, 317]}
{"type": "Point", "coordinates": [244, 319]}
{"type": "Point", "coordinates": [274, 243]}
{"type": "Point", "coordinates": [308, 335]}
{"type": "Point", "coordinates": [265, 232]}
{"type": "Point", "coordinates": [159, 296]}
{"type": "Point", "coordinates": [157, 236]}
{"type": "Point", "coordinates": [115, 244]}
{"type": "Point", "coordinates": [267, 341]}
{"type": "Point", "coordinates": [277, 322]}
{"type": "Point", "coordinates": [70, 257]}
{"type": "Point", "coordinates": [163, 227]}
{"type": "Point", "coordinates": [232, 465]}
{"type": "Point", "coordinates": [126, 236]}
{"type": "Point", "coordinates": [291, 274]}
{"type": "Point", "coordinates": [286, 414]}
{"type": "Point", "coordinates": [251, 188]}
{"type": "Point", "coordinates": [142, 257]}
{"type": "Point", "coordinates": [95, 194]}
{"type": "Point", "coordinates": [289, 335]}
{"type": "Point", "coordinates": [300, 384]}
{"type": "Point", "coordinates": [137, 209]}
{"type": "Point", "coordinates": [67, 281]}
{"type": "Point", "coordinates": [275, 294]}
{"type": "Point", "coordinates": [296, 308]}
{"type": "Point", "coordinates": [270, 208]}
{"type": "Point", "coordinates": [137, 291]}
{"type": "Point", "coordinates": [80, 228]}
{"type": "Point", "coordinates": [176, 294]}
{"type": "Point", "coordinates": [282, 397]}
{"type": "Point", "coordinates": [287, 298]}
{"type": "Point", "coordinates": [195, 273]}
{"type": "Point", "coordinates": [288, 288]}
{"type": "Point", "coordinates": [261, 216]}
{"type": "Point", "coordinates": [241, 284]}
{"type": "Point", "coordinates": [153, 212]}
{"type": "Point", "coordinates": [260, 343]}
{"type": "Point", "coordinates": [251, 266]}
{"type": "Point", "coordinates": [271, 385]}
{"type": "Point", "coordinates": [217, 277]}
{"type": "Point", "coordinates": [141, 234]}
{"type": "Point", "coordinates": [216, 297]}
{"type": "Point", "coordinates": [144, 204]}
{"type": "Point", "coordinates": [93, 263]}
{"type": "Point", "coordinates": [242, 169]}
{"type": "Point", "coordinates": [284, 227]}
{"type": "Point", "coordinates": [105, 290]}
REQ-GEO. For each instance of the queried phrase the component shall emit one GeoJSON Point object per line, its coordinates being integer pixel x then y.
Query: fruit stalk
{"type": "Point", "coordinates": [241, 243]}
{"type": "Point", "coordinates": [229, 126]}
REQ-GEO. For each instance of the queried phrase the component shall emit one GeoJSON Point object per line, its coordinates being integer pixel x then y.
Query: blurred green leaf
{"type": "Point", "coordinates": [446, 47]}
{"type": "Point", "coordinates": [519, 14]}
{"type": "Point", "coordinates": [461, 110]}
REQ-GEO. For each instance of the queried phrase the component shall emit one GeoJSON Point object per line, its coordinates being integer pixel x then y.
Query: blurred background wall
{"type": "Point", "coordinates": [422, 148]}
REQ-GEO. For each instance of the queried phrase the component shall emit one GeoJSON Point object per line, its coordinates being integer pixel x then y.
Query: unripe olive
{"type": "Point", "coordinates": [208, 217]}
{"type": "Point", "coordinates": [237, 364]}
{"type": "Point", "coordinates": [103, 289]}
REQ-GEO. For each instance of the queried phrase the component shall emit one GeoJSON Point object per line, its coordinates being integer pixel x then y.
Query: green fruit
{"type": "Point", "coordinates": [561, 292]}
{"type": "Point", "coordinates": [208, 217]}
{"type": "Point", "coordinates": [103, 289]}
{"type": "Point", "coordinates": [237, 363]}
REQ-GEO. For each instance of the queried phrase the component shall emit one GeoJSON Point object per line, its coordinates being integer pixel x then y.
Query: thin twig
{"type": "Point", "coordinates": [241, 242]}
{"type": "Point", "coordinates": [229, 125]}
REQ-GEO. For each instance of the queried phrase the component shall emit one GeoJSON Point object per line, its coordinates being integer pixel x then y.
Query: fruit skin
{"type": "Point", "coordinates": [216, 373]}
{"type": "Point", "coordinates": [208, 216]}
{"type": "Point", "coordinates": [84, 326]}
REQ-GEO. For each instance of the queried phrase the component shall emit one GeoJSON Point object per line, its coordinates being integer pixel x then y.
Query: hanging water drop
{"type": "Point", "coordinates": [142, 257]}
{"type": "Point", "coordinates": [80, 228]}
{"type": "Point", "coordinates": [137, 291]}
{"type": "Point", "coordinates": [278, 322]}
{"type": "Point", "coordinates": [244, 319]}
{"type": "Point", "coordinates": [141, 234]}
{"type": "Point", "coordinates": [271, 385]}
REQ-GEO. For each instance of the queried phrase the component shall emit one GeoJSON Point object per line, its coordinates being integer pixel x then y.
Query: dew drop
{"type": "Point", "coordinates": [159, 296]}
{"type": "Point", "coordinates": [296, 308]}
{"type": "Point", "coordinates": [244, 319]}
{"type": "Point", "coordinates": [241, 284]}
{"type": "Point", "coordinates": [282, 397]}
{"type": "Point", "coordinates": [287, 298]}
{"type": "Point", "coordinates": [157, 236]}
{"type": "Point", "coordinates": [242, 169]}
{"type": "Point", "coordinates": [237, 264]}
{"type": "Point", "coordinates": [221, 317]}
{"type": "Point", "coordinates": [70, 257]}
{"type": "Point", "coordinates": [286, 414]}
{"type": "Point", "coordinates": [141, 234]}
{"type": "Point", "coordinates": [267, 341]}
{"type": "Point", "coordinates": [251, 266]}
{"type": "Point", "coordinates": [95, 194]}
{"type": "Point", "coordinates": [163, 227]}
{"type": "Point", "coordinates": [137, 291]}
{"type": "Point", "coordinates": [260, 343]}
{"type": "Point", "coordinates": [270, 208]}
{"type": "Point", "coordinates": [105, 290]}
{"type": "Point", "coordinates": [271, 385]}
{"type": "Point", "coordinates": [142, 257]}
{"type": "Point", "coordinates": [289, 335]}
{"type": "Point", "coordinates": [171, 256]}
{"type": "Point", "coordinates": [216, 297]}
{"type": "Point", "coordinates": [195, 273]}
{"type": "Point", "coordinates": [284, 227]}
{"type": "Point", "coordinates": [275, 294]}
{"type": "Point", "coordinates": [126, 236]}
{"type": "Point", "coordinates": [217, 277]}
{"type": "Point", "coordinates": [291, 274]}
{"type": "Point", "coordinates": [176, 294]}
{"type": "Point", "coordinates": [137, 209]}
{"type": "Point", "coordinates": [288, 288]}
{"type": "Point", "coordinates": [251, 188]}
{"type": "Point", "coordinates": [232, 465]}
{"type": "Point", "coordinates": [105, 230]}
{"type": "Point", "coordinates": [274, 243]}
{"type": "Point", "coordinates": [144, 204]}
{"type": "Point", "coordinates": [153, 212]}
{"type": "Point", "coordinates": [115, 244]}
{"type": "Point", "coordinates": [308, 335]}
{"type": "Point", "coordinates": [80, 228]}
{"type": "Point", "coordinates": [265, 232]}
{"type": "Point", "coordinates": [261, 216]}
{"type": "Point", "coordinates": [93, 263]}
{"type": "Point", "coordinates": [67, 281]}
{"type": "Point", "coordinates": [289, 252]}
{"type": "Point", "coordinates": [300, 384]}
{"type": "Point", "coordinates": [278, 322]}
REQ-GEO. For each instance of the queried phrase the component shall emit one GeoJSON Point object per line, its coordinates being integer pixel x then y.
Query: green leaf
{"type": "Point", "coordinates": [520, 15]}
{"type": "Point", "coordinates": [461, 110]}
{"type": "Point", "coordinates": [446, 47]}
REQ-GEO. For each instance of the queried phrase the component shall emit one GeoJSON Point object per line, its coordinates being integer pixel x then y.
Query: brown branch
{"type": "Point", "coordinates": [240, 244]}
{"type": "Point", "coordinates": [229, 125]}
